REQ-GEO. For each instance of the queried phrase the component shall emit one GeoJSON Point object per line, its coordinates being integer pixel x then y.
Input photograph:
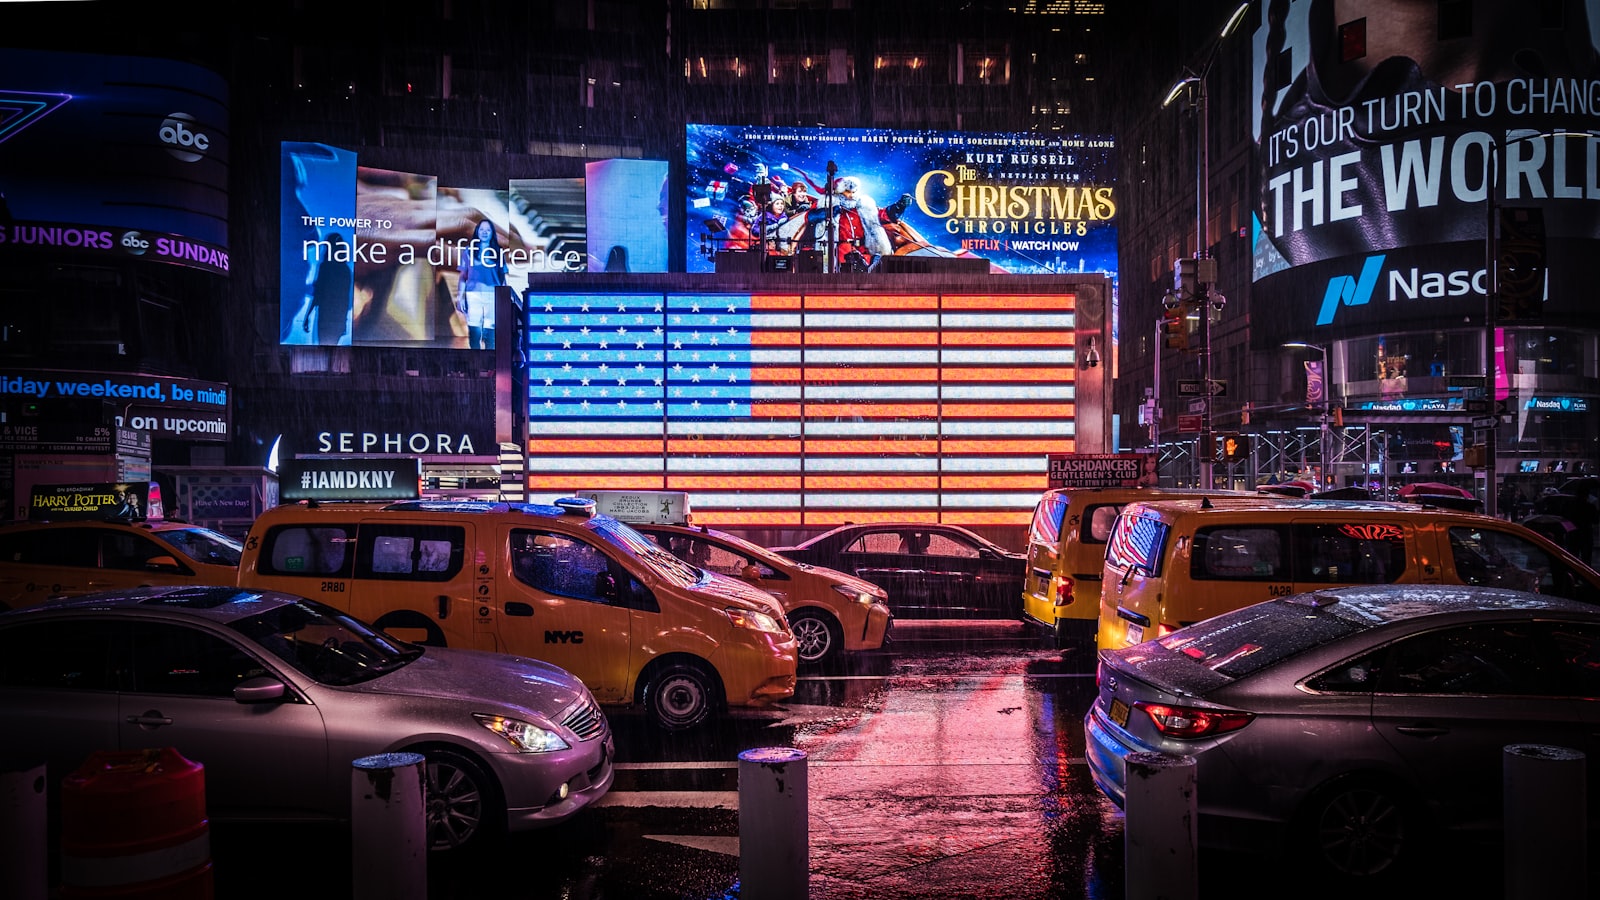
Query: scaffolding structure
{"type": "Point", "coordinates": [1359, 456]}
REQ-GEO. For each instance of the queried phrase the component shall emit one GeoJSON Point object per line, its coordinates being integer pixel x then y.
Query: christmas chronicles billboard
{"type": "Point", "coordinates": [1026, 203]}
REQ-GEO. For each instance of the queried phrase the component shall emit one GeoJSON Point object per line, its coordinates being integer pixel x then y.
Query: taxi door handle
{"type": "Point", "coordinates": [444, 605]}
{"type": "Point", "coordinates": [151, 718]}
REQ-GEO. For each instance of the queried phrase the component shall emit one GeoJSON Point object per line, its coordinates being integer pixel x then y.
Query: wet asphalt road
{"type": "Point", "coordinates": [950, 766]}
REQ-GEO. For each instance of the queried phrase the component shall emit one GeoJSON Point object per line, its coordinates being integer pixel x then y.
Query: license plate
{"type": "Point", "coordinates": [1119, 713]}
{"type": "Point", "coordinates": [1134, 634]}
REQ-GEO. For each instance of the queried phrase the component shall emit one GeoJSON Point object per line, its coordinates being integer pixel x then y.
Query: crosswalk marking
{"type": "Point", "coordinates": [675, 799]}
{"type": "Point", "coordinates": [702, 764]}
{"type": "Point", "coordinates": [728, 846]}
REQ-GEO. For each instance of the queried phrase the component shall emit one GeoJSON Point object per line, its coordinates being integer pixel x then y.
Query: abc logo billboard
{"type": "Point", "coordinates": [135, 243]}
{"type": "Point", "coordinates": [182, 137]}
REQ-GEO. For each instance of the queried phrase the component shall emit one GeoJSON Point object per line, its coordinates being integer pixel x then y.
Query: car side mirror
{"type": "Point", "coordinates": [260, 689]}
{"type": "Point", "coordinates": [161, 563]}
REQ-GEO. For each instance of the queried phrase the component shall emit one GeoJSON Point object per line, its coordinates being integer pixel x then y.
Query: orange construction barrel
{"type": "Point", "coordinates": [133, 824]}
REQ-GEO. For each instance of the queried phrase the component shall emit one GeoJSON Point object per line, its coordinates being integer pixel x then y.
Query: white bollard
{"type": "Point", "coordinates": [1546, 822]}
{"type": "Point", "coordinates": [24, 858]}
{"type": "Point", "coordinates": [1160, 834]}
{"type": "Point", "coordinates": [774, 834]}
{"type": "Point", "coordinates": [388, 828]}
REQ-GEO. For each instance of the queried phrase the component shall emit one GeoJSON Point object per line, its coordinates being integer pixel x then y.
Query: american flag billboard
{"type": "Point", "coordinates": [777, 409]}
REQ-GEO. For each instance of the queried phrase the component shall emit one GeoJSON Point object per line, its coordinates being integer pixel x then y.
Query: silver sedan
{"type": "Point", "coordinates": [1346, 725]}
{"type": "Point", "coordinates": [277, 696]}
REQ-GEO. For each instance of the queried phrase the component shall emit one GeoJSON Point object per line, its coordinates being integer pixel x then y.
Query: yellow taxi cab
{"type": "Point", "coordinates": [555, 582]}
{"type": "Point", "coordinates": [830, 612]}
{"type": "Point", "coordinates": [83, 538]}
{"type": "Point", "coordinates": [1066, 552]}
{"type": "Point", "coordinates": [1171, 563]}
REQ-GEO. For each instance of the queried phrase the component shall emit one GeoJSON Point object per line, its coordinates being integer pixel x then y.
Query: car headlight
{"type": "Point", "coordinates": [850, 593]}
{"type": "Point", "coordinates": [525, 736]}
{"type": "Point", "coordinates": [756, 621]}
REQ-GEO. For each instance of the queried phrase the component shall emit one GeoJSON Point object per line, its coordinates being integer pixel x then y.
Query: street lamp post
{"type": "Point", "coordinates": [1323, 443]}
{"type": "Point", "coordinates": [1491, 296]}
{"type": "Point", "coordinates": [1206, 446]}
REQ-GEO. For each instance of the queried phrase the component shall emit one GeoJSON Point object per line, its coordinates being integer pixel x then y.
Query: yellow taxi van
{"type": "Point", "coordinates": [830, 612]}
{"type": "Point", "coordinates": [555, 582]}
{"type": "Point", "coordinates": [1175, 562]}
{"type": "Point", "coordinates": [1066, 553]}
{"type": "Point", "coordinates": [82, 538]}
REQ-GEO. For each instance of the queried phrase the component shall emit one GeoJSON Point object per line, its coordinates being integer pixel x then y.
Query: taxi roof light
{"type": "Point", "coordinates": [643, 507]}
{"type": "Point", "coordinates": [576, 506]}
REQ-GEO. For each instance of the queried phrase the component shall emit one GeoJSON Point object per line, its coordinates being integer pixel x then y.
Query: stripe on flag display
{"type": "Point", "coordinates": [804, 410]}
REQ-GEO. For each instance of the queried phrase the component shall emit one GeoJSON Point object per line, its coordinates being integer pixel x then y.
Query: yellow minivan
{"type": "Point", "coordinates": [1175, 562]}
{"type": "Point", "coordinates": [1066, 552]}
{"type": "Point", "coordinates": [830, 612]}
{"type": "Point", "coordinates": [551, 581]}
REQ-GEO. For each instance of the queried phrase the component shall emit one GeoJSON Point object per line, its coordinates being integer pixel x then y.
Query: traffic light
{"type": "Point", "coordinates": [1175, 329]}
{"type": "Point", "coordinates": [1235, 447]}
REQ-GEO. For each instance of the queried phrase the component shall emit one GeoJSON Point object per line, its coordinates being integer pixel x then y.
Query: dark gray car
{"type": "Point", "coordinates": [930, 571]}
{"type": "Point", "coordinates": [277, 696]}
{"type": "Point", "coordinates": [1346, 725]}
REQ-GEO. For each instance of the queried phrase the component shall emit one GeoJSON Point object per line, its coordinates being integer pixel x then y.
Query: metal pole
{"type": "Point", "coordinates": [1383, 462]}
{"type": "Point", "coordinates": [1491, 291]}
{"type": "Point", "coordinates": [1155, 410]}
{"type": "Point", "coordinates": [1546, 836]}
{"type": "Point", "coordinates": [774, 831]}
{"type": "Point", "coordinates": [1160, 838]}
{"type": "Point", "coordinates": [1206, 448]}
{"type": "Point", "coordinates": [388, 828]}
{"type": "Point", "coordinates": [1327, 420]}
{"type": "Point", "coordinates": [24, 854]}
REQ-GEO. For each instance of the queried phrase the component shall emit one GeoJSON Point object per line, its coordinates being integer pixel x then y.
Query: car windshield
{"type": "Point", "coordinates": [326, 645]}
{"type": "Point", "coordinates": [660, 560]}
{"type": "Point", "coordinates": [205, 546]}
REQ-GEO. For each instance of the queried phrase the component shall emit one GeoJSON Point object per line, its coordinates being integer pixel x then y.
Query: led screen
{"type": "Point", "coordinates": [1026, 203]}
{"type": "Point", "coordinates": [627, 215]}
{"type": "Point", "coordinates": [1373, 148]}
{"type": "Point", "coordinates": [382, 258]}
{"type": "Point", "coordinates": [549, 216]}
{"type": "Point", "coordinates": [775, 409]}
{"type": "Point", "coordinates": [113, 156]}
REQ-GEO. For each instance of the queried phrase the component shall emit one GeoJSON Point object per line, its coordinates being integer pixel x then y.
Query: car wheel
{"type": "Point", "coordinates": [461, 800]}
{"type": "Point", "coordinates": [679, 696]}
{"type": "Point", "coordinates": [818, 638]}
{"type": "Point", "coordinates": [1080, 652]}
{"type": "Point", "coordinates": [1360, 830]}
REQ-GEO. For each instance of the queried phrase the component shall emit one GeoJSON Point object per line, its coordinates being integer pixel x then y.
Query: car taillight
{"type": "Point", "coordinates": [1063, 591]}
{"type": "Point", "coordinates": [1189, 722]}
{"type": "Point", "coordinates": [1165, 628]}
